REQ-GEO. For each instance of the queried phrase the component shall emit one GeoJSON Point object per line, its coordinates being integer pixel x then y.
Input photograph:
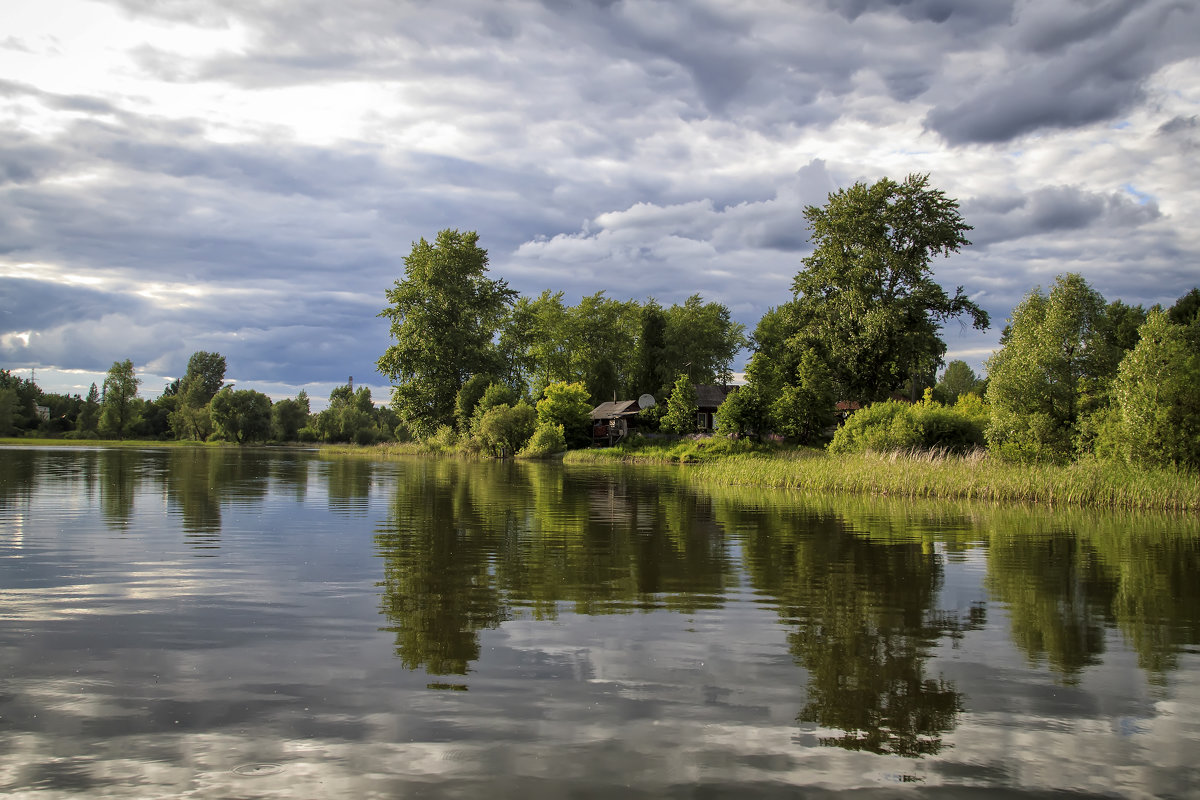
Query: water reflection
{"type": "Point", "coordinates": [602, 623]}
{"type": "Point", "coordinates": [467, 546]}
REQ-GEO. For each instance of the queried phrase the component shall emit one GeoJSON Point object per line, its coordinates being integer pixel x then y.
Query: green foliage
{"type": "Point", "coordinates": [88, 420]}
{"type": "Point", "coordinates": [1052, 370]}
{"type": "Point", "coordinates": [957, 380]}
{"type": "Point", "coordinates": [289, 416]}
{"type": "Point", "coordinates": [866, 296]}
{"type": "Point", "coordinates": [700, 339]}
{"type": "Point", "coordinates": [897, 426]}
{"type": "Point", "coordinates": [805, 406]}
{"type": "Point", "coordinates": [568, 406]}
{"type": "Point", "coordinates": [1157, 398]}
{"type": "Point", "coordinates": [444, 316]}
{"type": "Point", "coordinates": [681, 407]}
{"type": "Point", "coordinates": [548, 439]}
{"type": "Point", "coordinates": [204, 377]}
{"type": "Point", "coordinates": [468, 398]}
{"type": "Point", "coordinates": [118, 411]}
{"type": "Point", "coordinates": [503, 430]}
{"type": "Point", "coordinates": [9, 402]}
{"type": "Point", "coordinates": [496, 394]}
{"type": "Point", "coordinates": [241, 415]}
{"type": "Point", "coordinates": [350, 417]}
{"type": "Point", "coordinates": [743, 413]}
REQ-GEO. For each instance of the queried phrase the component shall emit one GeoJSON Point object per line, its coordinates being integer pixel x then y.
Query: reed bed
{"type": "Point", "coordinates": [975, 476]}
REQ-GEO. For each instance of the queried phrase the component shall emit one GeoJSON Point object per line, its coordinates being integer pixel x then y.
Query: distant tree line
{"type": "Point", "coordinates": [200, 406]}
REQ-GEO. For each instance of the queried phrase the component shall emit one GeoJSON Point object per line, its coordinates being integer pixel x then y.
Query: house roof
{"type": "Point", "coordinates": [711, 396]}
{"type": "Point", "coordinates": [616, 408]}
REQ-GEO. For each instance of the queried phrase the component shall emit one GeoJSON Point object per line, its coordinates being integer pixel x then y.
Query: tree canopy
{"type": "Point", "coordinates": [866, 296]}
{"type": "Point", "coordinates": [444, 315]}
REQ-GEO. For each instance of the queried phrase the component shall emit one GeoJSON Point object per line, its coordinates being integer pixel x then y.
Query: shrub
{"type": "Point", "coordinates": [547, 440]}
{"type": "Point", "coordinates": [895, 425]}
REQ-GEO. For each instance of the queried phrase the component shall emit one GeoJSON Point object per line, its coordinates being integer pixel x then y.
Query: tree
{"type": "Point", "coordinates": [958, 379]}
{"type": "Point", "coordinates": [805, 406]}
{"type": "Point", "coordinates": [204, 378]}
{"type": "Point", "coordinates": [88, 420]}
{"type": "Point", "coordinates": [871, 305]}
{"type": "Point", "coordinates": [504, 429]}
{"type": "Point", "coordinates": [744, 413]}
{"type": "Point", "coordinates": [651, 372]}
{"type": "Point", "coordinates": [681, 407]}
{"type": "Point", "coordinates": [1157, 395]}
{"type": "Point", "coordinates": [444, 315]}
{"type": "Point", "coordinates": [568, 406]}
{"type": "Point", "coordinates": [289, 416]}
{"type": "Point", "coordinates": [701, 340]}
{"type": "Point", "coordinates": [118, 411]}
{"type": "Point", "coordinates": [242, 415]}
{"type": "Point", "coordinates": [1051, 371]}
{"type": "Point", "coordinates": [350, 417]}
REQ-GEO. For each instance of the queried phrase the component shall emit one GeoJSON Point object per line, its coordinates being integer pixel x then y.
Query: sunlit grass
{"type": "Point", "coordinates": [1087, 482]}
{"type": "Point", "coordinates": [921, 474]}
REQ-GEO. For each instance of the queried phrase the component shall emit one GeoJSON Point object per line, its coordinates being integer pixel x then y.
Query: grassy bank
{"type": "Point", "coordinates": [929, 475]}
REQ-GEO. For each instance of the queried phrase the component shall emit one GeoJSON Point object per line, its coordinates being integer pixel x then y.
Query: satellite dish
{"type": "Point", "coordinates": [646, 401]}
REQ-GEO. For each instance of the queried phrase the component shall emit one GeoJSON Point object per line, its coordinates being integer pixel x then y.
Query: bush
{"type": "Point", "coordinates": [547, 440]}
{"type": "Point", "coordinates": [569, 406]}
{"type": "Point", "coordinates": [444, 438]}
{"type": "Point", "coordinates": [504, 430]}
{"type": "Point", "coordinates": [896, 426]}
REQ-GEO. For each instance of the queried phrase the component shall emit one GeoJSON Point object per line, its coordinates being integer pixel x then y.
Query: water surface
{"type": "Point", "coordinates": [254, 623]}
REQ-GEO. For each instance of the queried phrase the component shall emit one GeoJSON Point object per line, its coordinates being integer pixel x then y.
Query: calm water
{"type": "Point", "coordinates": [192, 623]}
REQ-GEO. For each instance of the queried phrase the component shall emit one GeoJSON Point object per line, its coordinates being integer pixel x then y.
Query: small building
{"type": "Point", "coordinates": [708, 399]}
{"type": "Point", "coordinates": [610, 421]}
{"type": "Point", "coordinates": [42, 413]}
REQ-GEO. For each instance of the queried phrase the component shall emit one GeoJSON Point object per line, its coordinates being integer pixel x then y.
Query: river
{"type": "Point", "coordinates": [212, 623]}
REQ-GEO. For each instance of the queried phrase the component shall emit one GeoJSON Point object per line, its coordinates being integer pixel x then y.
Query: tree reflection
{"type": "Point", "coordinates": [470, 545]}
{"type": "Point", "coordinates": [1059, 597]}
{"type": "Point", "coordinates": [118, 485]}
{"type": "Point", "coordinates": [860, 607]}
{"type": "Point", "coordinates": [439, 586]}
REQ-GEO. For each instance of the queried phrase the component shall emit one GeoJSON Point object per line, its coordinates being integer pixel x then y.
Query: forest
{"type": "Point", "coordinates": [853, 360]}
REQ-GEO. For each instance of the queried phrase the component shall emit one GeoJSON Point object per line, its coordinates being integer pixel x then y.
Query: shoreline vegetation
{"type": "Point", "coordinates": [931, 475]}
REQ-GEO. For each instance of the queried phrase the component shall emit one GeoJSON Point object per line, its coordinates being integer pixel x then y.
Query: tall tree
{"type": "Point", "coordinates": [1157, 397]}
{"type": "Point", "coordinates": [1053, 367]}
{"type": "Point", "coordinates": [205, 376]}
{"type": "Point", "coordinates": [702, 339]}
{"type": "Point", "coordinates": [289, 416]}
{"type": "Point", "coordinates": [242, 415]}
{"type": "Point", "coordinates": [681, 407]}
{"type": "Point", "coordinates": [89, 413]}
{"type": "Point", "coordinates": [118, 410]}
{"type": "Point", "coordinates": [444, 315]}
{"type": "Point", "coordinates": [867, 289]}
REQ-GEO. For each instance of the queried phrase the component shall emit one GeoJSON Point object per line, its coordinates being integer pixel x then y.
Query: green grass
{"type": "Point", "coordinates": [975, 477]}
{"type": "Point", "coordinates": [918, 474]}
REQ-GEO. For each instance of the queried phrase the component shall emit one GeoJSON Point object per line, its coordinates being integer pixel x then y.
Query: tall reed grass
{"type": "Point", "coordinates": [976, 476]}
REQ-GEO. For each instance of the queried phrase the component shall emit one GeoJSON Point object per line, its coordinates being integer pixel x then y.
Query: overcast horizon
{"type": "Point", "coordinates": [247, 178]}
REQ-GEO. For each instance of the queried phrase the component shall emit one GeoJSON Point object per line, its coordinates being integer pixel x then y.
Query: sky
{"type": "Point", "coordinates": [247, 177]}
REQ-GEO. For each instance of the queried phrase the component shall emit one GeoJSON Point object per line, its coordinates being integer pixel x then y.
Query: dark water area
{"type": "Point", "coordinates": [255, 623]}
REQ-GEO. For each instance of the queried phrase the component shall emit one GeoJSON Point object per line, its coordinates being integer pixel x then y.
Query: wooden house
{"type": "Point", "coordinates": [611, 421]}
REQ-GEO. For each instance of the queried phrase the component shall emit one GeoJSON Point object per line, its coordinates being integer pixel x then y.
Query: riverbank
{"type": "Point", "coordinates": [30, 441]}
{"type": "Point", "coordinates": [1085, 483]}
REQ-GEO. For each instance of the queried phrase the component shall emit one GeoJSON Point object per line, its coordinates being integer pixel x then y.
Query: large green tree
{"type": "Point", "coordinates": [702, 340]}
{"type": "Point", "coordinates": [867, 295]}
{"type": "Point", "coordinates": [1157, 397]}
{"type": "Point", "coordinates": [119, 409]}
{"type": "Point", "coordinates": [242, 415]}
{"type": "Point", "coordinates": [1052, 370]}
{"type": "Point", "coordinates": [205, 376]}
{"type": "Point", "coordinates": [444, 315]}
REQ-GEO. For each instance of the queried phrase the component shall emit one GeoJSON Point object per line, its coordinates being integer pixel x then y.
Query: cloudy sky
{"type": "Point", "coordinates": [246, 177]}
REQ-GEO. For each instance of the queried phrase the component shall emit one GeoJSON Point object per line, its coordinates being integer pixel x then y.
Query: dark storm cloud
{"type": "Point", "coordinates": [1070, 65]}
{"type": "Point", "coordinates": [1055, 209]}
{"type": "Point", "coordinates": [31, 304]}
